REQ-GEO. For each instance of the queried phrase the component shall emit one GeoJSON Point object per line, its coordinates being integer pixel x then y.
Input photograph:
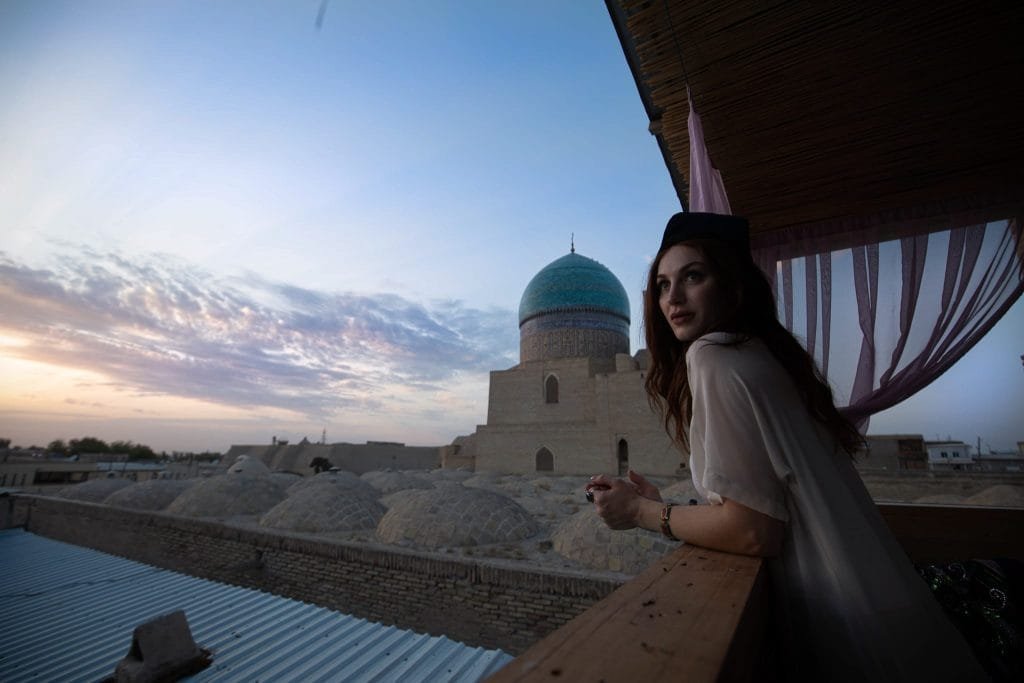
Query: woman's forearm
{"type": "Point", "coordinates": [729, 527]}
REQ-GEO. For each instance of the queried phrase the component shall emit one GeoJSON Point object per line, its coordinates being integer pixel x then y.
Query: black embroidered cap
{"type": "Point", "coordinates": [685, 226]}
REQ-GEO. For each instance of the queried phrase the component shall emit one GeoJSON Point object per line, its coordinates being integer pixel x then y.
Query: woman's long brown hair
{"type": "Point", "coordinates": [748, 307]}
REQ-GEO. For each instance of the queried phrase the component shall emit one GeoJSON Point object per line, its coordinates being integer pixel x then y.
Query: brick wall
{"type": "Point", "coordinates": [601, 402]}
{"type": "Point", "coordinates": [472, 601]}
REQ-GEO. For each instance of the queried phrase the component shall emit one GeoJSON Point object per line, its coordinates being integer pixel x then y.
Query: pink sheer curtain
{"type": "Point", "coordinates": [884, 320]}
{"type": "Point", "coordinates": [707, 192]}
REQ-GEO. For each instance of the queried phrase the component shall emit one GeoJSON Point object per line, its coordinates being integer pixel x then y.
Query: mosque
{"type": "Point", "coordinates": [575, 403]}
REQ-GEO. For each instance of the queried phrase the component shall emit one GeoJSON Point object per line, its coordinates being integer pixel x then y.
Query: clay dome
{"type": "Point", "coordinates": [390, 481]}
{"type": "Point", "coordinates": [1001, 495]}
{"type": "Point", "coordinates": [325, 508]}
{"type": "Point", "coordinates": [228, 495]}
{"type": "Point", "coordinates": [585, 539]}
{"type": "Point", "coordinates": [249, 466]}
{"type": "Point", "coordinates": [94, 490]}
{"type": "Point", "coordinates": [335, 480]}
{"type": "Point", "coordinates": [452, 515]}
{"type": "Point", "coordinates": [155, 494]}
{"type": "Point", "coordinates": [574, 307]}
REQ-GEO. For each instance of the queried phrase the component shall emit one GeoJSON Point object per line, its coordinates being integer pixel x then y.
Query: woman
{"type": "Point", "coordinates": [772, 456]}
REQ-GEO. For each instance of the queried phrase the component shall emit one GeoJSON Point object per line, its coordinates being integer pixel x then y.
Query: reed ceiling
{"type": "Point", "coordinates": [824, 118]}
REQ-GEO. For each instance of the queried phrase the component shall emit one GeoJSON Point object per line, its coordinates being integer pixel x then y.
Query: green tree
{"type": "Point", "coordinates": [141, 452]}
{"type": "Point", "coordinates": [121, 447]}
{"type": "Point", "coordinates": [320, 464]}
{"type": "Point", "coordinates": [58, 446]}
{"type": "Point", "coordinates": [5, 443]}
{"type": "Point", "coordinates": [134, 451]}
{"type": "Point", "coordinates": [88, 444]}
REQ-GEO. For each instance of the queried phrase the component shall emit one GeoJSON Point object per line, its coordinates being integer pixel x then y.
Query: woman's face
{"type": "Point", "coordinates": [687, 292]}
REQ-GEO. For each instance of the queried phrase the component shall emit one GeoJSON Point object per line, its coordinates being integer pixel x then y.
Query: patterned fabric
{"type": "Point", "coordinates": [982, 598]}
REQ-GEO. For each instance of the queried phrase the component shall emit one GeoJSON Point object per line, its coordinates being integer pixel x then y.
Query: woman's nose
{"type": "Point", "coordinates": [675, 293]}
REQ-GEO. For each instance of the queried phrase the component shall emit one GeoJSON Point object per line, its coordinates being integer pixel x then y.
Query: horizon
{"type": "Point", "coordinates": [224, 222]}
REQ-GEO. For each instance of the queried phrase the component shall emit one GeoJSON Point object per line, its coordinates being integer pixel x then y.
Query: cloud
{"type": "Point", "coordinates": [157, 326]}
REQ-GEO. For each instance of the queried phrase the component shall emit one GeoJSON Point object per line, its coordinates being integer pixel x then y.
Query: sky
{"type": "Point", "coordinates": [221, 222]}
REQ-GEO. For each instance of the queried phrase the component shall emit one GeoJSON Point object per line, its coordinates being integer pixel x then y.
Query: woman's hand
{"type": "Point", "coordinates": [615, 501]}
{"type": "Point", "coordinates": [618, 501]}
{"type": "Point", "coordinates": [729, 527]}
{"type": "Point", "coordinates": [644, 487]}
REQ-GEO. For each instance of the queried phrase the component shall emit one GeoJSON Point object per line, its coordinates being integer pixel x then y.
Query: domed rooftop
{"type": "Point", "coordinates": [585, 539]}
{"type": "Point", "coordinates": [325, 508]}
{"type": "Point", "coordinates": [248, 466]}
{"type": "Point", "coordinates": [336, 480]}
{"type": "Point", "coordinates": [452, 515]}
{"type": "Point", "coordinates": [574, 283]}
{"type": "Point", "coordinates": [94, 490]}
{"type": "Point", "coordinates": [1002, 495]}
{"type": "Point", "coordinates": [389, 481]}
{"type": "Point", "coordinates": [227, 495]}
{"type": "Point", "coordinates": [155, 494]}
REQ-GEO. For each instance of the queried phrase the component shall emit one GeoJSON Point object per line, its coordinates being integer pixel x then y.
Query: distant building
{"type": "Point", "coordinates": [945, 456]}
{"type": "Point", "coordinates": [893, 452]}
{"type": "Point", "coordinates": [298, 458]}
{"type": "Point", "coordinates": [1000, 461]}
{"type": "Point", "coordinates": [36, 473]}
{"type": "Point", "coordinates": [575, 403]}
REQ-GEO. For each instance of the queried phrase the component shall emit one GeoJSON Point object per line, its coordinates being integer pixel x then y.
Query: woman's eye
{"type": "Point", "coordinates": [663, 286]}
{"type": "Point", "coordinates": [693, 276]}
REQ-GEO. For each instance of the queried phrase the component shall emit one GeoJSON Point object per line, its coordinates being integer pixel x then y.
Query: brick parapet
{"type": "Point", "coordinates": [478, 602]}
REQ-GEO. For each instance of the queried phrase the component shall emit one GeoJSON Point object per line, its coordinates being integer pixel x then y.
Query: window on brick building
{"type": "Point", "coordinates": [545, 460]}
{"type": "Point", "coordinates": [551, 389]}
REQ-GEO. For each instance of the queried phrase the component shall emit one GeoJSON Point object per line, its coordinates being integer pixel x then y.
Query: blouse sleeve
{"type": "Point", "coordinates": [735, 432]}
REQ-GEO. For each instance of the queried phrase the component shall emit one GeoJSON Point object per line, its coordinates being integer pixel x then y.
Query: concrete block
{"type": "Point", "coordinates": [162, 650]}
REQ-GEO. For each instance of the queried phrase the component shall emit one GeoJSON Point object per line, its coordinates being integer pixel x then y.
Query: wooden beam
{"type": "Point", "coordinates": [938, 533]}
{"type": "Point", "coordinates": [675, 621]}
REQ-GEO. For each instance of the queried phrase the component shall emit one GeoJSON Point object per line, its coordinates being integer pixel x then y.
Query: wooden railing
{"type": "Point", "coordinates": [935, 533]}
{"type": "Point", "coordinates": [694, 615]}
{"type": "Point", "coordinates": [701, 616]}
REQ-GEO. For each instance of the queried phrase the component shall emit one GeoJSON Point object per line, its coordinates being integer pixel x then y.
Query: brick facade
{"type": "Point", "coordinates": [601, 422]}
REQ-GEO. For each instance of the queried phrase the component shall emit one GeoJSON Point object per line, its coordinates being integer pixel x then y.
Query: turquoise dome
{"type": "Point", "coordinates": [574, 283]}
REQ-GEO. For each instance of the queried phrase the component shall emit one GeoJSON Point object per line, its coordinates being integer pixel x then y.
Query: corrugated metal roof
{"type": "Point", "coordinates": [130, 466]}
{"type": "Point", "coordinates": [67, 614]}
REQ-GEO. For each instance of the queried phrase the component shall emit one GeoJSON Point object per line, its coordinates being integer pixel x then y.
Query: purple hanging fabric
{"type": "Point", "coordinates": [707, 192]}
{"type": "Point", "coordinates": [865, 277]}
{"type": "Point", "coordinates": [787, 293]}
{"type": "Point", "coordinates": [811, 287]}
{"type": "Point", "coordinates": [914, 251]}
{"type": "Point", "coordinates": [825, 265]}
{"type": "Point", "coordinates": [968, 308]}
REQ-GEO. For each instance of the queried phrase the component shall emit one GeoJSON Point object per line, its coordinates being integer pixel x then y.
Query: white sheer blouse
{"type": "Point", "coordinates": [850, 605]}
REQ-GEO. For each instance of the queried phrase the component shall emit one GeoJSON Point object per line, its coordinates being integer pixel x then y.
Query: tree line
{"type": "Point", "coordinates": [90, 444]}
{"type": "Point", "coordinates": [93, 445]}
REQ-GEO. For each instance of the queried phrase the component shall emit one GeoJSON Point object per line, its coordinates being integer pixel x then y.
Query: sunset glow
{"type": "Point", "coordinates": [220, 223]}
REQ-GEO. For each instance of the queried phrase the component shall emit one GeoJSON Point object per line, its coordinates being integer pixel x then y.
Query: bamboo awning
{"type": "Point", "coordinates": [827, 119]}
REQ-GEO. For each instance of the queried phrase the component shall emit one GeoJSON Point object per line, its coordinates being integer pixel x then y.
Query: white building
{"type": "Point", "coordinates": [949, 455]}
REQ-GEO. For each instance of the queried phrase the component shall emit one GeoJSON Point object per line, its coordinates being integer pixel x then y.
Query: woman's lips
{"type": "Point", "coordinates": [682, 318]}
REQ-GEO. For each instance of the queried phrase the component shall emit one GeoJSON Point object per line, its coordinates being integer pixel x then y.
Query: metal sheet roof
{"type": "Point", "coordinates": [67, 613]}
